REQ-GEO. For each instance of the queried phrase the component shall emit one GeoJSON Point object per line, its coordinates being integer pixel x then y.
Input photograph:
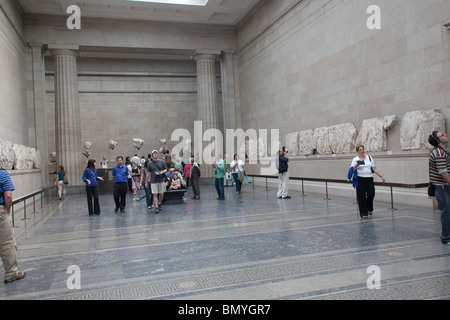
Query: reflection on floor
{"type": "Point", "coordinates": [248, 246]}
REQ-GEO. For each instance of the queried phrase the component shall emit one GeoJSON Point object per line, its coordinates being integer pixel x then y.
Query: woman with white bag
{"type": "Point", "coordinates": [239, 171]}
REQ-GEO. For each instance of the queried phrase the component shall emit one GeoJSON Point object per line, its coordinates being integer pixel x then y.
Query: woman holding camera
{"type": "Point", "coordinates": [365, 191]}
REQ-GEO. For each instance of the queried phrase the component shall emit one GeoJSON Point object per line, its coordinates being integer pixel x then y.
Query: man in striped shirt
{"type": "Point", "coordinates": [440, 178]}
{"type": "Point", "coordinates": [7, 241]}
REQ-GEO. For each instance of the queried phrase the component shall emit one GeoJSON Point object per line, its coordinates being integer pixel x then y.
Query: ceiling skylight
{"type": "Point", "coordinates": [183, 2]}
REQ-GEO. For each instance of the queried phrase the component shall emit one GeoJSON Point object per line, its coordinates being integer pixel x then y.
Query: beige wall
{"type": "Point", "coordinates": [129, 34]}
{"type": "Point", "coordinates": [292, 65]}
{"type": "Point", "coordinates": [14, 126]}
{"type": "Point", "coordinates": [317, 64]}
{"type": "Point", "coordinates": [314, 63]}
{"type": "Point", "coordinates": [126, 99]}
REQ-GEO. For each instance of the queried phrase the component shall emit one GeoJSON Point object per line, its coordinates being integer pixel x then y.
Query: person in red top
{"type": "Point", "coordinates": [187, 173]}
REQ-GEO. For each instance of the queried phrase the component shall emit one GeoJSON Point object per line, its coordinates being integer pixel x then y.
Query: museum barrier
{"type": "Point", "coordinates": [43, 193]}
{"type": "Point", "coordinates": [391, 185]}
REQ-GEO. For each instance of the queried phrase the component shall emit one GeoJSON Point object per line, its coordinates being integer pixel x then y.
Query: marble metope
{"type": "Point", "coordinates": [343, 138]}
{"type": "Point", "coordinates": [18, 157]}
{"type": "Point", "coordinates": [417, 126]}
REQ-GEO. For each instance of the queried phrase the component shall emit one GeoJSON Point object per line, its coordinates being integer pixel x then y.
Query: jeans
{"type": "Point", "coordinates": [220, 187]}
{"type": "Point", "coordinates": [238, 182]}
{"type": "Point", "coordinates": [148, 195]}
{"type": "Point", "coordinates": [443, 199]}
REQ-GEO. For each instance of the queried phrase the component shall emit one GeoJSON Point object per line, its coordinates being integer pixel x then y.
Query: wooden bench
{"type": "Point", "coordinates": [174, 195]}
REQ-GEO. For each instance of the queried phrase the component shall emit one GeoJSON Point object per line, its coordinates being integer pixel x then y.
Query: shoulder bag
{"type": "Point", "coordinates": [65, 179]}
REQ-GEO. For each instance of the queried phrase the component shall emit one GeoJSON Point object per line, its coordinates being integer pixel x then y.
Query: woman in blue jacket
{"type": "Point", "coordinates": [90, 178]}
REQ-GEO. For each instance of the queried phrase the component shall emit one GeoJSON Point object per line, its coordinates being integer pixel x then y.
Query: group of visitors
{"type": "Point", "coordinates": [363, 168]}
{"type": "Point", "coordinates": [151, 174]}
{"type": "Point", "coordinates": [238, 172]}
{"type": "Point", "coordinates": [155, 177]}
{"type": "Point", "coordinates": [361, 171]}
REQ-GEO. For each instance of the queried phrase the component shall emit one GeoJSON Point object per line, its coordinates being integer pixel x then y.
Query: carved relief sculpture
{"type": "Point", "coordinates": [138, 143]}
{"type": "Point", "coordinates": [87, 149]}
{"type": "Point", "coordinates": [373, 133]}
{"type": "Point", "coordinates": [342, 138]}
{"type": "Point", "coordinates": [416, 127]}
{"type": "Point", "coordinates": [112, 144]}
{"type": "Point", "coordinates": [306, 142]}
{"type": "Point", "coordinates": [162, 146]}
{"type": "Point", "coordinates": [292, 143]}
{"type": "Point", "coordinates": [7, 155]}
{"type": "Point", "coordinates": [322, 140]}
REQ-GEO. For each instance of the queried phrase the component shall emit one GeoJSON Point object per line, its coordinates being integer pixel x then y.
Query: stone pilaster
{"type": "Point", "coordinates": [68, 129]}
{"type": "Point", "coordinates": [37, 124]}
{"type": "Point", "coordinates": [230, 91]}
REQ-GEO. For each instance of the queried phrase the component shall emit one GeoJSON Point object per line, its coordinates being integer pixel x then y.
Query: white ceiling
{"type": "Point", "coordinates": [221, 12]}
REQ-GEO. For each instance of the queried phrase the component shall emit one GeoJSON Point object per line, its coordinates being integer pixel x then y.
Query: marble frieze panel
{"type": "Point", "coordinates": [342, 138]}
{"type": "Point", "coordinates": [417, 126]}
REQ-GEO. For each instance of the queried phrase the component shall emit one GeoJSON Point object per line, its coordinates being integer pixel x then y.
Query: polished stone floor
{"type": "Point", "coordinates": [249, 246]}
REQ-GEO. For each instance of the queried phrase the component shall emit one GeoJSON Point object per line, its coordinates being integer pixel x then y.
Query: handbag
{"type": "Point", "coordinates": [241, 175]}
{"type": "Point", "coordinates": [431, 190]}
{"type": "Point", "coordinates": [65, 179]}
{"type": "Point", "coordinates": [371, 168]}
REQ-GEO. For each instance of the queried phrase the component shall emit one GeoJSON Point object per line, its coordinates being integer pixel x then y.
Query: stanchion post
{"type": "Point", "coordinates": [392, 199]}
{"type": "Point", "coordinates": [326, 191]}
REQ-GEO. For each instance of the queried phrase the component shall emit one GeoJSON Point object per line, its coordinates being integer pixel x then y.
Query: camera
{"type": "Point", "coordinates": [361, 162]}
{"type": "Point", "coordinates": [158, 176]}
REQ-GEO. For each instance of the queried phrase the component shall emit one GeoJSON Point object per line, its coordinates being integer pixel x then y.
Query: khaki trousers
{"type": "Point", "coordinates": [283, 185]}
{"type": "Point", "coordinates": [7, 245]}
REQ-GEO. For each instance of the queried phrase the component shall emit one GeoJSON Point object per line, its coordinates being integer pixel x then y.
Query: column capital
{"type": "Point", "coordinates": [206, 55]}
{"type": "Point", "coordinates": [36, 47]}
{"type": "Point", "coordinates": [62, 49]}
{"type": "Point", "coordinates": [36, 44]}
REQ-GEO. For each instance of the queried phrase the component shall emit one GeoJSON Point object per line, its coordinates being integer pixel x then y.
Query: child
{"type": "Point", "coordinates": [228, 178]}
{"type": "Point", "coordinates": [136, 182]}
{"type": "Point", "coordinates": [175, 182]}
